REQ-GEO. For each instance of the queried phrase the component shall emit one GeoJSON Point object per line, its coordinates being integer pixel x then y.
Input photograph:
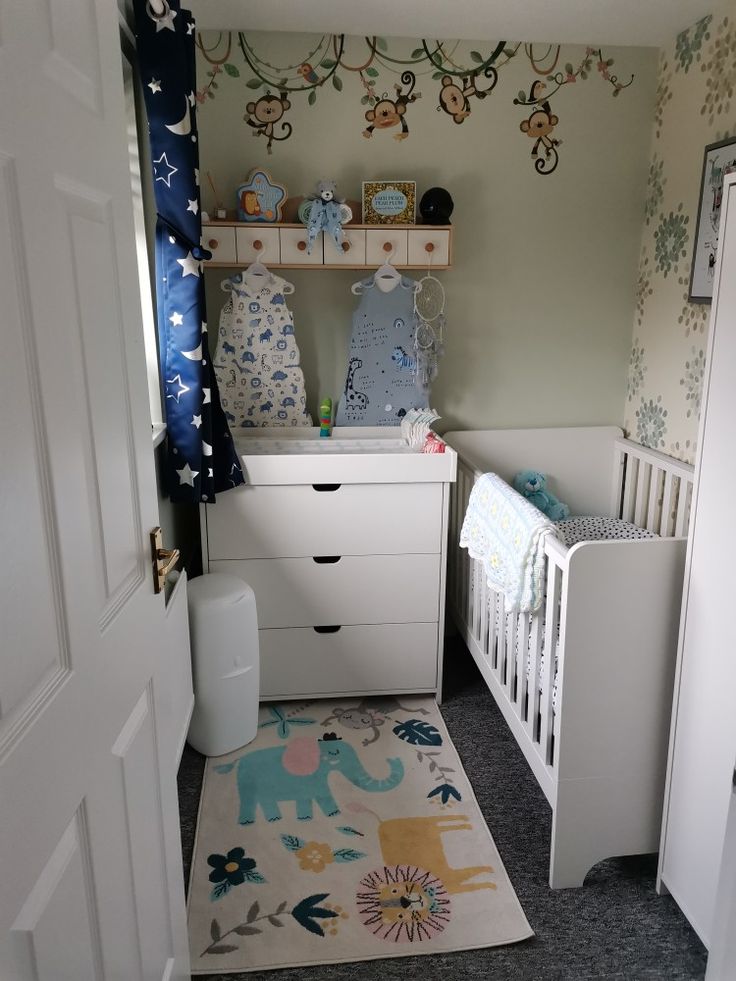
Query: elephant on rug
{"type": "Point", "coordinates": [300, 772]}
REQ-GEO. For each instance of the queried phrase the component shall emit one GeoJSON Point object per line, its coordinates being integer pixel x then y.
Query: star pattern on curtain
{"type": "Point", "coordinates": [201, 457]}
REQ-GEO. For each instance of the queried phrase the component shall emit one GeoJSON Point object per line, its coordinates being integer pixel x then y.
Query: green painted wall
{"type": "Point", "coordinates": [541, 298]}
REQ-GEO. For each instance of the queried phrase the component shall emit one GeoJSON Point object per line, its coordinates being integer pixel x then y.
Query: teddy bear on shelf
{"type": "Point", "coordinates": [532, 485]}
{"type": "Point", "coordinates": [325, 215]}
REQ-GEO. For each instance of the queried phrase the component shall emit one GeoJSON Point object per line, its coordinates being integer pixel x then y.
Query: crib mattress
{"type": "Point", "coordinates": [590, 528]}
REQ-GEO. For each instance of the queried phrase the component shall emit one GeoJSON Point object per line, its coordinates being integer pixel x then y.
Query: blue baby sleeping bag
{"type": "Point", "coordinates": [380, 386]}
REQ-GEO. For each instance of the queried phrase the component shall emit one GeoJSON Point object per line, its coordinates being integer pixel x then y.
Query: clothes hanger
{"type": "Point", "coordinates": [387, 277]}
{"type": "Point", "coordinates": [257, 274]}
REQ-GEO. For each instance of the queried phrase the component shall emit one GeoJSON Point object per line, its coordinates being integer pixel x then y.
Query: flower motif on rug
{"type": "Point", "coordinates": [232, 869]}
{"type": "Point", "coordinates": [403, 904]}
{"type": "Point", "coordinates": [315, 856]}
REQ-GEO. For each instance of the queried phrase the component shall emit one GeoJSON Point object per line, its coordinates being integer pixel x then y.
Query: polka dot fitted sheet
{"type": "Point", "coordinates": [594, 529]}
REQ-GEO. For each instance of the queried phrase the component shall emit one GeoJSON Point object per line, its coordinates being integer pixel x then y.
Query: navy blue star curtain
{"type": "Point", "coordinates": [201, 457]}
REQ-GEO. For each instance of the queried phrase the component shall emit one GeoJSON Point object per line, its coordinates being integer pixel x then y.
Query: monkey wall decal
{"type": "Point", "coordinates": [392, 112]}
{"type": "Point", "coordinates": [539, 127]}
{"type": "Point", "coordinates": [455, 94]}
{"type": "Point", "coordinates": [265, 113]}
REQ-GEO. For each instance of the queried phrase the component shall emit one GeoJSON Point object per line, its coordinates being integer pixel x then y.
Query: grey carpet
{"type": "Point", "coordinates": [616, 928]}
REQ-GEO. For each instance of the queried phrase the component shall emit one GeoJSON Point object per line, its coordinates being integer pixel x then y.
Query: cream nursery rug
{"type": "Point", "coordinates": [346, 831]}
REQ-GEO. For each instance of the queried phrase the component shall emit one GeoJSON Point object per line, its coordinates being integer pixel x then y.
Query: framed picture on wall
{"type": "Point", "coordinates": [719, 160]}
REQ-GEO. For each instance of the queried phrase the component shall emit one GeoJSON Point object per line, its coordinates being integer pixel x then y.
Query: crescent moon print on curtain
{"type": "Point", "coordinates": [201, 456]}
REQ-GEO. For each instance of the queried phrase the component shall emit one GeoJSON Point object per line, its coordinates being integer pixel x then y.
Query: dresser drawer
{"type": "Point", "coordinates": [429, 245]}
{"type": "Point", "coordinates": [352, 252]}
{"type": "Point", "coordinates": [220, 241]}
{"type": "Point", "coordinates": [390, 657]}
{"type": "Point", "coordinates": [376, 241]}
{"type": "Point", "coordinates": [254, 239]}
{"type": "Point", "coordinates": [354, 589]}
{"type": "Point", "coordinates": [258, 522]}
{"type": "Point", "coordinates": [294, 248]}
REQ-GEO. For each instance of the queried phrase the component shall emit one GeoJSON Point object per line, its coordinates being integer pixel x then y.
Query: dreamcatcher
{"type": "Point", "coordinates": [429, 314]}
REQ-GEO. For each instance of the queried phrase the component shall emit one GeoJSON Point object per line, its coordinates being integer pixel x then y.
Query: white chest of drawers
{"type": "Point", "coordinates": [344, 544]}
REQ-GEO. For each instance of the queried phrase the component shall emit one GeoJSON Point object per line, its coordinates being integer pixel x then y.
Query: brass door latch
{"type": "Point", "coordinates": [164, 560]}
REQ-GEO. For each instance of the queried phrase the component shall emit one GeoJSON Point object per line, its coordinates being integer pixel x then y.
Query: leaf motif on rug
{"type": "Point", "coordinates": [307, 913]}
{"type": "Point", "coordinates": [418, 733]}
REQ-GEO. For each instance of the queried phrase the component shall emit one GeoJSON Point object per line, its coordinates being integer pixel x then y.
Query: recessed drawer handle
{"type": "Point", "coordinates": [326, 487]}
{"type": "Point", "coordinates": [329, 629]}
{"type": "Point", "coordinates": [326, 559]}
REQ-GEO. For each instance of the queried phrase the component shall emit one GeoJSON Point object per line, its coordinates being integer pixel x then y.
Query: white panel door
{"type": "Point", "coordinates": [704, 744]}
{"type": "Point", "coordinates": [87, 800]}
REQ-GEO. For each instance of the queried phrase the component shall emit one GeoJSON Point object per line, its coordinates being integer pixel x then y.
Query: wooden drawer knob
{"type": "Point", "coordinates": [346, 246]}
{"type": "Point", "coordinates": [258, 245]}
{"type": "Point", "coordinates": [387, 247]}
{"type": "Point", "coordinates": [301, 246]}
{"type": "Point", "coordinates": [429, 247]}
{"type": "Point", "coordinates": [213, 243]}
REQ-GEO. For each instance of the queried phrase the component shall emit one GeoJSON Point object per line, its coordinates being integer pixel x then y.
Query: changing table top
{"type": "Point", "coordinates": [351, 455]}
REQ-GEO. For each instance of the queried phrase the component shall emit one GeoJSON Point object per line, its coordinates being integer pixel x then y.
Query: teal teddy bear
{"type": "Point", "coordinates": [532, 485]}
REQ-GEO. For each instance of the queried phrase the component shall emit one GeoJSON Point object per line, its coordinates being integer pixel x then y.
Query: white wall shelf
{"type": "Point", "coordinates": [284, 246]}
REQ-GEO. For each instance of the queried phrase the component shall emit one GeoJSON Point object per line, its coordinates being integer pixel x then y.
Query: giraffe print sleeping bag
{"type": "Point", "coordinates": [380, 386]}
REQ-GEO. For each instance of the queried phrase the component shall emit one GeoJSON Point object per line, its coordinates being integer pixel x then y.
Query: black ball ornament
{"type": "Point", "coordinates": [436, 206]}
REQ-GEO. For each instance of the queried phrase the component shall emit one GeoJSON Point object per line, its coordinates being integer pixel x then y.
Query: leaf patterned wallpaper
{"type": "Point", "coordinates": [695, 106]}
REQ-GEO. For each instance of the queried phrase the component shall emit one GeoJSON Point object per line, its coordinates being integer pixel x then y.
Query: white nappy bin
{"type": "Point", "coordinates": [225, 666]}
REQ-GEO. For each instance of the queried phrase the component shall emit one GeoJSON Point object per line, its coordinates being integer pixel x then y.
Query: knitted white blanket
{"type": "Point", "coordinates": [506, 533]}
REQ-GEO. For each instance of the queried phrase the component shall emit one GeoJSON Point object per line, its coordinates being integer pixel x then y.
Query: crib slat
{"type": "Point", "coordinates": [510, 666]}
{"type": "Point", "coordinates": [683, 508]}
{"type": "Point", "coordinates": [664, 521]}
{"type": "Point", "coordinates": [641, 496]}
{"type": "Point", "coordinates": [521, 662]}
{"type": "Point", "coordinates": [483, 603]}
{"type": "Point", "coordinates": [550, 650]}
{"type": "Point", "coordinates": [492, 632]}
{"type": "Point", "coordinates": [500, 636]}
{"type": "Point", "coordinates": [619, 466]}
{"type": "Point", "coordinates": [632, 469]}
{"type": "Point", "coordinates": [533, 685]}
{"type": "Point", "coordinates": [655, 479]}
{"type": "Point", "coordinates": [477, 598]}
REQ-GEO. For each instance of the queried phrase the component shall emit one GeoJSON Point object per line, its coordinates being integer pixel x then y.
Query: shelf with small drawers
{"type": "Point", "coordinates": [349, 575]}
{"type": "Point", "coordinates": [366, 246]}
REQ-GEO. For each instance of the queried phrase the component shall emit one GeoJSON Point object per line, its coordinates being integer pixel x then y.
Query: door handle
{"type": "Point", "coordinates": [164, 560]}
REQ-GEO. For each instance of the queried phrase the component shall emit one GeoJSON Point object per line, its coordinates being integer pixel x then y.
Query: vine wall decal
{"type": "Point", "coordinates": [384, 106]}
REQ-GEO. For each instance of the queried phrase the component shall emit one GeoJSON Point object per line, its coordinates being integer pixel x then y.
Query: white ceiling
{"type": "Point", "coordinates": [629, 22]}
